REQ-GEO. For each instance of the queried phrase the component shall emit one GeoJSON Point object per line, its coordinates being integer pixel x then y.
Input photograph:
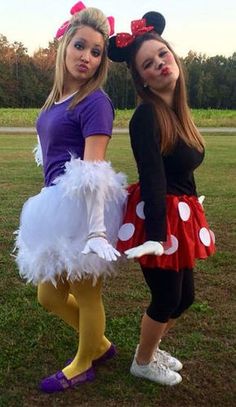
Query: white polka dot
{"type": "Point", "coordinates": [212, 236]}
{"type": "Point", "coordinates": [173, 247]}
{"type": "Point", "coordinates": [205, 236]}
{"type": "Point", "coordinates": [184, 211]}
{"type": "Point", "coordinates": [126, 231]}
{"type": "Point", "coordinates": [139, 210]}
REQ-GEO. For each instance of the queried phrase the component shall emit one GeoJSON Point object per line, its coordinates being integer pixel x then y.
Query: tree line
{"type": "Point", "coordinates": [25, 81]}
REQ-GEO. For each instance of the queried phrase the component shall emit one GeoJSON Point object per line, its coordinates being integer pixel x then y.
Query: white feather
{"type": "Point", "coordinates": [38, 155]}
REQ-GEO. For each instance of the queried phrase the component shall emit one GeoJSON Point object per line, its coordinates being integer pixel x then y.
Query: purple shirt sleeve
{"type": "Point", "coordinates": [97, 116]}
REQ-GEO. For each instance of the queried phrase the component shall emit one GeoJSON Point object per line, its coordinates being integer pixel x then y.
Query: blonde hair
{"type": "Point", "coordinates": [173, 122]}
{"type": "Point", "coordinates": [94, 18]}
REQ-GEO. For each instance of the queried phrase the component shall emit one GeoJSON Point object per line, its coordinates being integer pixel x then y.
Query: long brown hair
{"type": "Point", "coordinates": [175, 122]}
{"type": "Point", "coordinates": [94, 18]}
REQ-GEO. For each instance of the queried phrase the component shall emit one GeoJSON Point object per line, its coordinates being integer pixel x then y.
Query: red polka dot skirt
{"type": "Point", "coordinates": [188, 234]}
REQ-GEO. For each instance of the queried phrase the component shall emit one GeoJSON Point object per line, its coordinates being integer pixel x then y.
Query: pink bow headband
{"type": "Point", "coordinates": [76, 9]}
{"type": "Point", "coordinates": [138, 27]}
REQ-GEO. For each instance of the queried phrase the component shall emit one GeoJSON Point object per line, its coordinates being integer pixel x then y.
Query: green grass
{"type": "Point", "coordinates": [202, 117]}
{"type": "Point", "coordinates": [35, 343]}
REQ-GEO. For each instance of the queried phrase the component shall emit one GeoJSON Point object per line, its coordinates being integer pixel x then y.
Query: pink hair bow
{"type": "Point", "coordinates": [65, 26]}
{"type": "Point", "coordinates": [76, 9]}
{"type": "Point", "coordinates": [111, 22]}
{"type": "Point", "coordinates": [138, 27]}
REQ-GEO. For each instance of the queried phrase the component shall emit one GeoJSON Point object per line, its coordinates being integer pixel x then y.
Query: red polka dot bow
{"type": "Point", "coordinates": [76, 9]}
{"type": "Point", "coordinates": [138, 27]}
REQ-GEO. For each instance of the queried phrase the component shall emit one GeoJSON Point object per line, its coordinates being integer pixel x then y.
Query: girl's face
{"type": "Point", "coordinates": [83, 56]}
{"type": "Point", "coordinates": [157, 67]}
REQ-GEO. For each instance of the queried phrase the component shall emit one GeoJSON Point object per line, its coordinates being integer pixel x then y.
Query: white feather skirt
{"type": "Point", "coordinates": [54, 224]}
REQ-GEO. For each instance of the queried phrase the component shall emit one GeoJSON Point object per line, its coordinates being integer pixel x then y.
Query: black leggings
{"type": "Point", "coordinates": [172, 292]}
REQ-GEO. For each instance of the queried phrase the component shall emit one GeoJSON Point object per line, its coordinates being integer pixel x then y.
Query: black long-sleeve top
{"type": "Point", "coordinates": [160, 174]}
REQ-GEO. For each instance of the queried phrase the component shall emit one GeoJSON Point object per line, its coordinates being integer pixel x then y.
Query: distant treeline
{"type": "Point", "coordinates": [25, 81]}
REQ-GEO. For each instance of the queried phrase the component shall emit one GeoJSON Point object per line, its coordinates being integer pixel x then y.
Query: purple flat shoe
{"type": "Point", "coordinates": [59, 382]}
{"type": "Point", "coordinates": [109, 354]}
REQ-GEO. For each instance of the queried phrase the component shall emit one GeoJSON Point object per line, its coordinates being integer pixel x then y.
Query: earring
{"type": "Point", "coordinates": [145, 85]}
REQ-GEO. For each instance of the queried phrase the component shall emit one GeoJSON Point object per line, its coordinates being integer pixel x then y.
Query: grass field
{"type": "Point", "coordinates": [202, 118]}
{"type": "Point", "coordinates": [35, 344]}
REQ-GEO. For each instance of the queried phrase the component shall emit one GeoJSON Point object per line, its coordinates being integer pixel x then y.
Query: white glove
{"type": "Point", "coordinates": [149, 247]}
{"type": "Point", "coordinates": [201, 199]}
{"type": "Point", "coordinates": [97, 242]}
{"type": "Point", "coordinates": [102, 248]}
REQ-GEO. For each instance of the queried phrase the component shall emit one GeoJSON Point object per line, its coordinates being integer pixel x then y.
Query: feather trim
{"type": "Point", "coordinates": [82, 176]}
{"type": "Point", "coordinates": [38, 155]}
{"type": "Point", "coordinates": [47, 265]}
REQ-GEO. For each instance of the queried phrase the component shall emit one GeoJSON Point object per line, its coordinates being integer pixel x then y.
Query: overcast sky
{"type": "Point", "coordinates": [204, 26]}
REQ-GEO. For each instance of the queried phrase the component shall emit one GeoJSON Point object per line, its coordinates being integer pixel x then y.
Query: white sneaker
{"type": "Point", "coordinates": [166, 359]}
{"type": "Point", "coordinates": [156, 372]}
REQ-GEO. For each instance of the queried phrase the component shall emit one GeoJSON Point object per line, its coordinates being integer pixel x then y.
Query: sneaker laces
{"type": "Point", "coordinates": [163, 355]}
{"type": "Point", "coordinates": [163, 369]}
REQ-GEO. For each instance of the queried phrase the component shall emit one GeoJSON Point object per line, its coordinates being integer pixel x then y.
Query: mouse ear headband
{"type": "Point", "coordinates": [120, 44]}
{"type": "Point", "coordinates": [74, 10]}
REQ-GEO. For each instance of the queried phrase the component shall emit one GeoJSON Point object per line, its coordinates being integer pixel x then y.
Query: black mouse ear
{"type": "Point", "coordinates": [122, 53]}
{"type": "Point", "coordinates": [115, 53]}
{"type": "Point", "coordinates": [156, 20]}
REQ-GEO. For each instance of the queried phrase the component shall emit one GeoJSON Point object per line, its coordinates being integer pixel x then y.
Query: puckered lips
{"type": "Point", "coordinates": [83, 67]}
{"type": "Point", "coordinates": [165, 71]}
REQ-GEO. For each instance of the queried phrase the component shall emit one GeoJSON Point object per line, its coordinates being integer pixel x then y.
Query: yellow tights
{"type": "Point", "coordinates": [80, 305]}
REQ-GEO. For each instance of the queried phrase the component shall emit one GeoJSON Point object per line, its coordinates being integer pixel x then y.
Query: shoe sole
{"type": "Point", "coordinates": [156, 381]}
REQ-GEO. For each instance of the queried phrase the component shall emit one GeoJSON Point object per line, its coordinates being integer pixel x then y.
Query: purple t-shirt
{"type": "Point", "coordinates": [62, 131]}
